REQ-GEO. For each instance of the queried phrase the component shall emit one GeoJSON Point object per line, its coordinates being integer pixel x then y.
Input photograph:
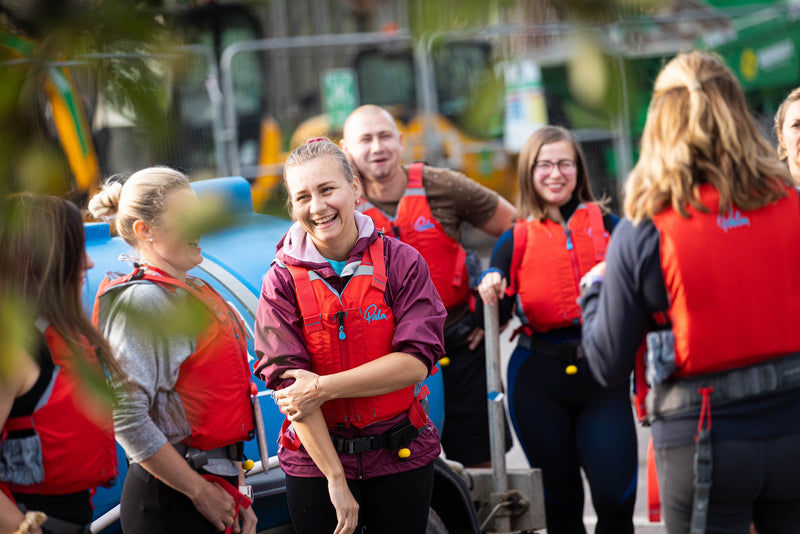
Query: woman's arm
{"type": "Point", "coordinates": [19, 375]}
{"type": "Point", "coordinates": [383, 375]}
{"type": "Point", "coordinates": [616, 311]}
{"type": "Point", "coordinates": [418, 341]}
{"type": "Point", "coordinates": [494, 280]}
{"type": "Point", "coordinates": [313, 433]}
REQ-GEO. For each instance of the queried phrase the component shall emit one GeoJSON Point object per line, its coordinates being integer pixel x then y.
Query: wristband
{"type": "Point", "coordinates": [32, 521]}
{"type": "Point", "coordinates": [247, 491]}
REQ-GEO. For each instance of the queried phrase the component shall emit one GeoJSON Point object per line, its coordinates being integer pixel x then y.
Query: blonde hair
{"type": "Point", "coordinates": [529, 203]}
{"type": "Point", "coordinates": [699, 130]}
{"type": "Point", "coordinates": [780, 118]}
{"type": "Point", "coordinates": [142, 196]}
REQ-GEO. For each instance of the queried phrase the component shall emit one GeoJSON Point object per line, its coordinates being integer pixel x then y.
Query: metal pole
{"type": "Point", "coordinates": [497, 422]}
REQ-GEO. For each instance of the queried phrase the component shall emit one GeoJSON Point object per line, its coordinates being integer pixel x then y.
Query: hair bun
{"type": "Point", "coordinates": [104, 204]}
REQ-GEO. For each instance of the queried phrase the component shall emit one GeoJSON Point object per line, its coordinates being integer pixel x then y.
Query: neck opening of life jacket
{"type": "Point", "coordinates": [343, 331]}
{"type": "Point", "coordinates": [415, 225]}
{"type": "Point", "coordinates": [213, 382]}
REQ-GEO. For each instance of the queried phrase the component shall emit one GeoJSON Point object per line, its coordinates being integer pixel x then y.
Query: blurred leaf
{"type": "Point", "coordinates": [16, 324]}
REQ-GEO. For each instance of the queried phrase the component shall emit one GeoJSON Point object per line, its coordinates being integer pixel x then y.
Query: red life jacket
{"type": "Point", "coordinates": [213, 382]}
{"type": "Point", "coordinates": [415, 225]}
{"type": "Point", "coordinates": [732, 280]}
{"type": "Point", "coordinates": [547, 264]}
{"type": "Point", "coordinates": [344, 331]}
{"type": "Point", "coordinates": [75, 431]}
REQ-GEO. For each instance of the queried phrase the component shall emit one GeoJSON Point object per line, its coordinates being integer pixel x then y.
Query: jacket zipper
{"type": "Point", "coordinates": [340, 316]}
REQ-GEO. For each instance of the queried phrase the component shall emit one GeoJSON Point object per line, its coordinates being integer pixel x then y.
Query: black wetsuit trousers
{"type": "Point", "coordinates": [566, 423]}
{"type": "Point", "coordinates": [754, 480]}
{"type": "Point", "coordinates": [148, 506]}
{"type": "Point", "coordinates": [391, 504]}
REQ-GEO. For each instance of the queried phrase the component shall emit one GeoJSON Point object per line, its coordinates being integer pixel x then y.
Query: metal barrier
{"type": "Point", "coordinates": [332, 51]}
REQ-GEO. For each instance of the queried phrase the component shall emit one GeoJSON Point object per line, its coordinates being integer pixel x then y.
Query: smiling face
{"type": "Point", "coordinates": [790, 138]}
{"type": "Point", "coordinates": [323, 202]}
{"type": "Point", "coordinates": [174, 247]}
{"type": "Point", "coordinates": [374, 144]}
{"type": "Point", "coordinates": [556, 188]}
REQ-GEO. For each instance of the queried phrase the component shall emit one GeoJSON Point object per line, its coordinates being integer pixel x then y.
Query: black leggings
{"type": "Point", "coordinates": [391, 504]}
{"type": "Point", "coordinates": [568, 422]}
{"type": "Point", "coordinates": [754, 480]}
{"type": "Point", "coordinates": [148, 506]}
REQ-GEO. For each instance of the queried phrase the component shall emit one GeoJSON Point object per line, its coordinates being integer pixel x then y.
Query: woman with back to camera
{"type": "Point", "coordinates": [787, 129]}
{"type": "Point", "coordinates": [55, 412]}
{"type": "Point", "coordinates": [704, 271]}
{"type": "Point", "coordinates": [564, 419]}
{"type": "Point", "coordinates": [348, 325]}
{"type": "Point", "coordinates": [186, 407]}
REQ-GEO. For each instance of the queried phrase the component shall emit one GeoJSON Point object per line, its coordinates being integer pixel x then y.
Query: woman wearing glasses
{"type": "Point", "coordinates": [564, 419]}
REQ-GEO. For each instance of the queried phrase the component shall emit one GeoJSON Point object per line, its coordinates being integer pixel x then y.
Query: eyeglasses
{"type": "Point", "coordinates": [567, 167]}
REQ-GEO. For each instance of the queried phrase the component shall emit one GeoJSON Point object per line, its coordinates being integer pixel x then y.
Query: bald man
{"type": "Point", "coordinates": [425, 207]}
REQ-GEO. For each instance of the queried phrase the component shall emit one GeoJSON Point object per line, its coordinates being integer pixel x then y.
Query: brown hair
{"type": "Point", "coordinates": [529, 203]}
{"type": "Point", "coordinates": [44, 252]}
{"type": "Point", "coordinates": [699, 130]}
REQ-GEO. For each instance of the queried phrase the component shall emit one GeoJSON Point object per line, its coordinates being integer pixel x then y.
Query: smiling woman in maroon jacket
{"type": "Point", "coordinates": [348, 326]}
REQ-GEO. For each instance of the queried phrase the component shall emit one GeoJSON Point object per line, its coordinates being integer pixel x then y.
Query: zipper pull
{"type": "Point", "coordinates": [340, 318]}
{"type": "Point", "coordinates": [569, 239]}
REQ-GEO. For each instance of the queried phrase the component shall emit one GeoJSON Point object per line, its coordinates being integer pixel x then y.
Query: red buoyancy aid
{"type": "Point", "coordinates": [344, 331]}
{"type": "Point", "coordinates": [78, 451]}
{"type": "Point", "coordinates": [213, 382]}
{"type": "Point", "coordinates": [732, 280]}
{"type": "Point", "coordinates": [415, 225]}
{"type": "Point", "coordinates": [547, 264]}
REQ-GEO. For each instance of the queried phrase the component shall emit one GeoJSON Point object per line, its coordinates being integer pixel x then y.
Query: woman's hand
{"type": "Point", "coordinates": [597, 270]}
{"type": "Point", "coordinates": [346, 506]}
{"type": "Point", "coordinates": [247, 521]}
{"type": "Point", "coordinates": [214, 504]}
{"type": "Point", "coordinates": [302, 397]}
{"type": "Point", "coordinates": [492, 287]}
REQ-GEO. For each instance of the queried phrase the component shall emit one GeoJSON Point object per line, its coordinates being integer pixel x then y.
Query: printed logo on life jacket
{"type": "Point", "coordinates": [422, 224]}
{"type": "Point", "coordinates": [373, 313]}
{"type": "Point", "coordinates": [731, 221]}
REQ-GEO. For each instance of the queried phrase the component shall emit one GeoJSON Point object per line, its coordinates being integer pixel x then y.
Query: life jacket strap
{"type": "Point", "coordinates": [598, 230]}
{"type": "Point", "coordinates": [520, 237]}
{"type": "Point", "coordinates": [703, 464]}
{"type": "Point", "coordinates": [240, 501]}
{"type": "Point", "coordinates": [393, 439]}
{"type": "Point", "coordinates": [415, 175]}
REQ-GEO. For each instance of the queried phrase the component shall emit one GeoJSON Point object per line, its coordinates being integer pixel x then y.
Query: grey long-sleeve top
{"type": "Point", "coordinates": [139, 321]}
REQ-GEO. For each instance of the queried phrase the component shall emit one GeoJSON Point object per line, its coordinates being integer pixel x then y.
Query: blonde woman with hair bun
{"type": "Point", "coordinates": [185, 409]}
{"type": "Point", "coordinates": [704, 272]}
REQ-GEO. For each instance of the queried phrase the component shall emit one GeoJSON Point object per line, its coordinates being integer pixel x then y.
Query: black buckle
{"type": "Point", "coordinates": [393, 439]}
{"type": "Point", "coordinates": [353, 445]}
